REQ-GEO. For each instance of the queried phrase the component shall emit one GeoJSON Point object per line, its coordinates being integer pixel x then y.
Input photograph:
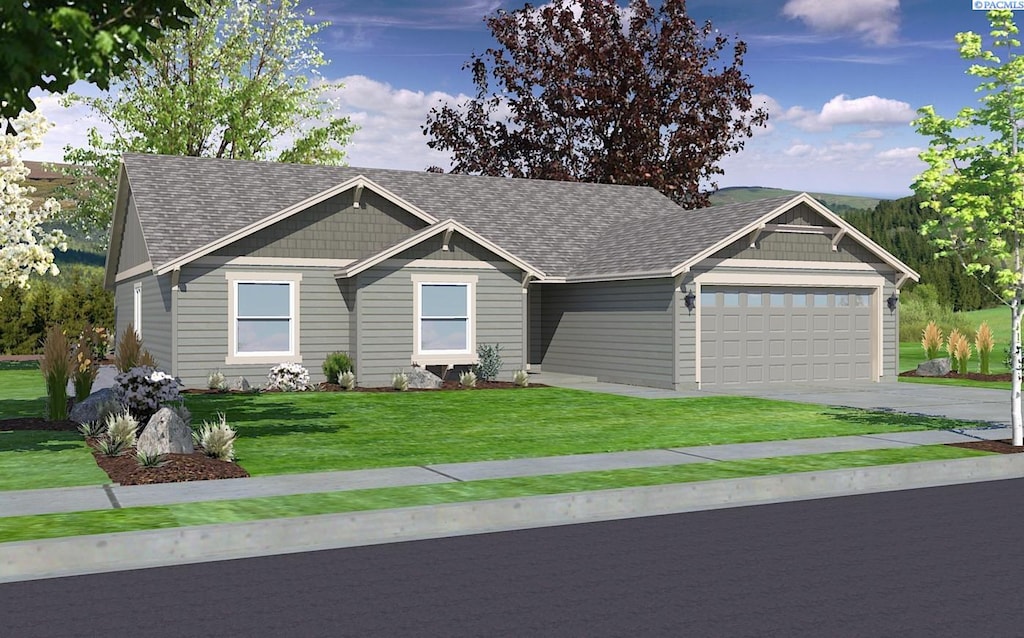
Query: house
{"type": "Point", "coordinates": [238, 266]}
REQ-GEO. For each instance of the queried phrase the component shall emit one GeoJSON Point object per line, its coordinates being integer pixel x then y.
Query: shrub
{"type": "Point", "coordinates": [400, 381]}
{"type": "Point", "coordinates": [150, 459]}
{"type": "Point", "coordinates": [915, 315]}
{"type": "Point", "coordinates": [931, 340]}
{"type": "Point", "coordinates": [128, 351]}
{"type": "Point", "coordinates": [143, 390]}
{"type": "Point", "coordinates": [107, 447]}
{"type": "Point", "coordinates": [336, 364]}
{"type": "Point", "coordinates": [56, 367]}
{"type": "Point", "coordinates": [218, 439]}
{"type": "Point", "coordinates": [467, 379]}
{"type": "Point", "coordinates": [521, 378]}
{"type": "Point", "coordinates": [121, 428]}
{"type": "Point", "coordinates": [984, 343]}
{"type": "Point", "coordinates": [959, 350]}
{"type": "Point", "coordinates": [347, 380]}
{"type": "Point", "coordinates": [217, 381]}
{"type": "Point", "coordinates": [84, 364]}
{"type": "Point", "coordinates": [488, 362]}
{"type": "Point", "coordinates": [90, 429]}
{"type": "Point", "coordinates": [288, 377]}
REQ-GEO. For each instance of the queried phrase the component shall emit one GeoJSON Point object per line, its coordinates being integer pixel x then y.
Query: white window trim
{"type": "Point", "coordinates": [294, 353]}
{"type": "Point", "coordinates": [137, 308]}
{"type": "Point", "coordinates": [433, 357]}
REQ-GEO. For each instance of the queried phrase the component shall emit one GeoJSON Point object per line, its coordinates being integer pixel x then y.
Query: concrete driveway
{"type": "Point", "coordinates": [953, 402]}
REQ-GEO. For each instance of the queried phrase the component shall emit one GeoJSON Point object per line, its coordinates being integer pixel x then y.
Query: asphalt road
{"type": "Point", "coordinates": [937, 562]}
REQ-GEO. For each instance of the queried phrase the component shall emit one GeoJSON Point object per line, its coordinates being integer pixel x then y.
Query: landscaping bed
{"type": "Point", "coordinates": [973, 376]}
{"type": "Point", "coordinates": [125, 470]}
{"type": "Point", "coordinates": [1002, 446]}
{"type": "Point", "coordinates": [334, 387]}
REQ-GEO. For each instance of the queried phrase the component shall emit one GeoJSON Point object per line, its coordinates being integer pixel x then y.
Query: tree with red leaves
{"type": "Point", "coordinates": [590, 91]}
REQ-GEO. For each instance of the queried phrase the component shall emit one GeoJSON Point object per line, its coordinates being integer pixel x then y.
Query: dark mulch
{"type": "Point", "coordinates": [35, 423]}
{"type": "Point", "coordinates": [125, 470]}
{"type": "Point", "coordinates": [334, 387]}
{"type": "Point", "coordinates": [1002, 446]}
{"type": "Point", "coordinates": [974, 376]}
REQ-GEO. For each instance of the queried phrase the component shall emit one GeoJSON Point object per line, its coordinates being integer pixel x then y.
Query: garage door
{"type": "Point", "coordinates": [751, 335]}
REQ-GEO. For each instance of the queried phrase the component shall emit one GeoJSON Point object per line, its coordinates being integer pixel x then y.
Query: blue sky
{"type": "Point", "coordinates": [841, 79]}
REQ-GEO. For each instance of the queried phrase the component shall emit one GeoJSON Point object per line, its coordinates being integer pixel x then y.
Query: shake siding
{"type": "Point", "coordinates": [618, 331]}
{"type": "Point", "coordinates": [156, 314]}
{"type": "Point", "coordinates": [203, 323]}
{"type": "Point", "coordinates": [133, 245]}
{"type": "Point", "coordinates": [332, 229]}
{"type": "Point", "coordinates": [386, 317]}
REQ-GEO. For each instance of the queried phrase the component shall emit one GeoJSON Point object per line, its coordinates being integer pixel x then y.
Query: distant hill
{"type": "Point", "coordinates": [838, 203]}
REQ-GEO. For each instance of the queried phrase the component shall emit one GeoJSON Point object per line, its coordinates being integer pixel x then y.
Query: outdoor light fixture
{"type": "Point", "coordinates": [892, 301]}
{"type": "Point", "coordinates": [690, 300]}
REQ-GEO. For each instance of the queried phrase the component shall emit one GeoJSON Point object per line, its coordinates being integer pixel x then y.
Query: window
{"type": "Point", "coordinates": [753, 300]}
{"type": "Point", "coordinates": [800, 300]}
{"type": "Point", "coordinates": [777, 300]}
{"type": "Point", "coordinates": [707, 299]}
{"type": "Point", "coordinates": [264, 318]}
{"type": "Point", "coordinates": [445, 314]}
{"type": "Point", "coordinates": [731, 299]}
{"type": "Point", "coordinates": [137, 308]}
{"type": "Point", "coordinates": [820, 301]}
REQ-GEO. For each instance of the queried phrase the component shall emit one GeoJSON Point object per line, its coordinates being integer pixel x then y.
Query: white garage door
{"type": "Point", "coordinates": [756, 335]}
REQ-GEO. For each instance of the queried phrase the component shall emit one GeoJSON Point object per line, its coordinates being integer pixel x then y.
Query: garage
{"type": "Point", "coordinates": [770, 335]}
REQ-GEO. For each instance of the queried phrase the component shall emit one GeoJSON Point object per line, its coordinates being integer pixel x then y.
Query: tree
{"type": "Point", "coordinates": [24, 246]}
{"type": "Point", "coordinates": [49, 44]}
{"type": "Point", "coordinates": [589, 91]}
{"type": "Point", "coordinates": [238, 80]}
{"type": "Point", "coordinates": [975, 179]}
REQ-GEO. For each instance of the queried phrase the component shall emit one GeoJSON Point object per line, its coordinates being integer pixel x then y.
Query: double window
{"type": "Point", "coordinates": [444, 326]}
{"type": "Point", "coordinates": [264, 318]}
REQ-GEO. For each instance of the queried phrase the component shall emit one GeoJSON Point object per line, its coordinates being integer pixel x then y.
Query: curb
{"type": "Point", "coordinates": [76, 555]}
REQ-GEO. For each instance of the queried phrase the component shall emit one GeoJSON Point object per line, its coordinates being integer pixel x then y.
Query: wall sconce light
{"type": "Point", "coordinates": [690, 300]}
{"type": "Point", "coordinates": [892, 302]}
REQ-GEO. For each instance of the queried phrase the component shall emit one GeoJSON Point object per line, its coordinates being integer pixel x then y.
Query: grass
{"type": "Point", "coordinates": [38, 459]}
{"type": "Point", "coordinates": [23, 390]}
{"type": "Point", "coordinates": [17, 528]}
{"type": "Point", "coordinates": [283, 433]}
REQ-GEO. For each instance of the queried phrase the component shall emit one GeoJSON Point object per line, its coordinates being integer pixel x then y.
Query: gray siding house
{"type": "Point", "coordinates": [238, 266]}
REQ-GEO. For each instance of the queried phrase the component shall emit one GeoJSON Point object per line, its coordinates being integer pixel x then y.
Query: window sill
{"type": "Point", "coordinates": [261, 359]}
{"type": "Point", "coordinates": [443, 359]}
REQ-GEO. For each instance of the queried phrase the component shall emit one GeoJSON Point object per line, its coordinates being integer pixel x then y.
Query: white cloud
{"type": "Point", "coordinates": [876, 20]}
{"type": "Point", "coordinates": [840, 110]}
{"type": "Point", "coordinates": [799, 150]}
{"type": "Point", "coordinates": [70, 124]}
{"type": "Point", "coordinates": [390, 119]}
{"type": "Point", "coordinates": [904, 153]}
{"type": "Point", "coordinates": [870, 134]}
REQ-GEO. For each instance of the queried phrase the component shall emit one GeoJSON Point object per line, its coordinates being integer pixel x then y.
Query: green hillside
{"type": "Point", "coordinates": [838, 203]}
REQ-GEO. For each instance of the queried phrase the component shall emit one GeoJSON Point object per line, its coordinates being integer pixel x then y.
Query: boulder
{"type": "Point", "coordinates": [88, 410]}
{"type": "Point", "coordinates": [420, 378]}
{"type": "Point", "coordinates": [934, 368]}
{"type": "Point", "coordinates": [240, 385]}
{"type": "Point", "coordinates": [166, 433]}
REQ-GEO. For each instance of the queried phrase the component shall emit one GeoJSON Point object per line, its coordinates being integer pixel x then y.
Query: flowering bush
{"type": "Point", "coordinates": [144, 389]}
{"type": "Point", "coordinates": [288, 377]}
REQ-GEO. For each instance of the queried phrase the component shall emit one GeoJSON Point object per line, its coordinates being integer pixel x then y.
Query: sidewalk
{"type": "Point", "coordinates": [76, 499]}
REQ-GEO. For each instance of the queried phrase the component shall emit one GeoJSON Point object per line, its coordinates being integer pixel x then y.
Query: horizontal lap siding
{"type": "Point", "coordinates": [156, 314]}
{"type": "Point", "coordinates": [386, 318]}
{"type": "Point", "coordinates": [203, 323]}
{"type": "Point", "coordinates": [616, 331]}
{"type": "Point", "coordinates": [891, 335]}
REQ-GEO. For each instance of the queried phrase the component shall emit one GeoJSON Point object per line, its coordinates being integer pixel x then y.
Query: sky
{"type": "Point", "coordinates": [841, 79]}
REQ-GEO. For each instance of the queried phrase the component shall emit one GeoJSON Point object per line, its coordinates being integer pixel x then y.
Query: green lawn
{"type": "Point", "coordinates": [22, 390]}
{"type": "Point", "coordinates": [38, 458]}
{"type": "Point", "coordinates": [138, 518]}
{"type": "Point", "coordinates": [282, 433]}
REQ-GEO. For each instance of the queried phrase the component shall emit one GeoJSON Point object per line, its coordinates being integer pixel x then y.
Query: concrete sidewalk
{"type": "Point", "coordinates": [75, 499]}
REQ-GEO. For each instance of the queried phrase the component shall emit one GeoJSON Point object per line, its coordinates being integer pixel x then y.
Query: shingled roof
{"type": "Point", "coordinates": [565, 229]}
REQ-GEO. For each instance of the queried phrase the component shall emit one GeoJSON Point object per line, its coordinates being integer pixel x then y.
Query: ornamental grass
{"type": "Point", "coordinates": [56, 368]}
{"type": "Point", "coordinates": [932, 340]}
{"type": "Point", "coordinates": [983, 343]}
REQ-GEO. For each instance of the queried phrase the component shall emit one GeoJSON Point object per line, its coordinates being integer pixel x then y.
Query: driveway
{"type": "Point", "coordinates": [953, 402]}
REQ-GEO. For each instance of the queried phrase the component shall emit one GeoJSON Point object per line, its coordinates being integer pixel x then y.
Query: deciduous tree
{"type": "Point", "coordinates": [975, 178]}
{"type": "Point", "coordinates": [587, 90]}
{"type": "Point", "coordinates": [49, 44]}
{"type": "Point", "coordinates": [239, 82]}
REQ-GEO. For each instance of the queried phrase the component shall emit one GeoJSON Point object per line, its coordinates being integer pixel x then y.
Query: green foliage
{"type": "Point", "coordinates": [243, 76]}
{"type": "Point", "coordinates": [75, 298]}
{"type": "Point", "coordinates": [467, 379]}
{"type": "Point", "coordinates": [335, 364]}
{"type": "Point", "coordinates": [218, 439]}
{"type": "Point", "coordinates": [347, 380]}
{"type": "Point", "coordinates": [56, 368]}
{"type": "Point", "coordinates": [915, 315]}
{"type": "Point", "coordinates": [489, 362]}
{"type": "Point", "coordinates": [150, 459]}
{"type": "Point", "coordinates": [51, 45]}
{"type": "Point", "coordinates": [121, 428]}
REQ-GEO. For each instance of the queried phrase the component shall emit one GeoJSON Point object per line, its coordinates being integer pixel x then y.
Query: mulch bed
{"type": "Point", "coordinates": [974, 376]}
{"type": "Point", "coordinates": [1003, 446]}
{"type": "Point", "coordinates": [334, 387]}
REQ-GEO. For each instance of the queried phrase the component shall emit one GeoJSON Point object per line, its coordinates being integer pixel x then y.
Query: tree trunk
{"type": "Point", "coordinates": [1015, 382]}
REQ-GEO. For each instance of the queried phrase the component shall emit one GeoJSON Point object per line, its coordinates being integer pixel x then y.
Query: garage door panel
{"type": "Point", "coordinates": [793, 336]}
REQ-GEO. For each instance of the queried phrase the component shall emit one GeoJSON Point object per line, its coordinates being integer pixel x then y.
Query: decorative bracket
{"type": "Point", "coordinates": [358, 196]}
{"type": "Point", "coordinates": [837, 238]}
{"type": "Point", "coordinates": [175, 276]}
{"type": "Point", "coordinates": [755, 234]}
{"type": "Point", "coordinates": [446, 240]}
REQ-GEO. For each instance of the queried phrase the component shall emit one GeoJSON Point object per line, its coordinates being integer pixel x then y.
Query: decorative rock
{"type": "Point", "coordinates": [88, 410]}
{"type": "Point", "coordinates": [420, 378]}
{"type": "Point", "coordinates": [166, 433]}
{"type": "Point", "coordinates": [934, 368]}
{"type": "Point", "coordinates": [240, 385]}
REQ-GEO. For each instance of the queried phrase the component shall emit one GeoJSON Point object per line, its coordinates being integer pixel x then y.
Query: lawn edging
{"type": "Point", "coordinates": [66, 556]}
